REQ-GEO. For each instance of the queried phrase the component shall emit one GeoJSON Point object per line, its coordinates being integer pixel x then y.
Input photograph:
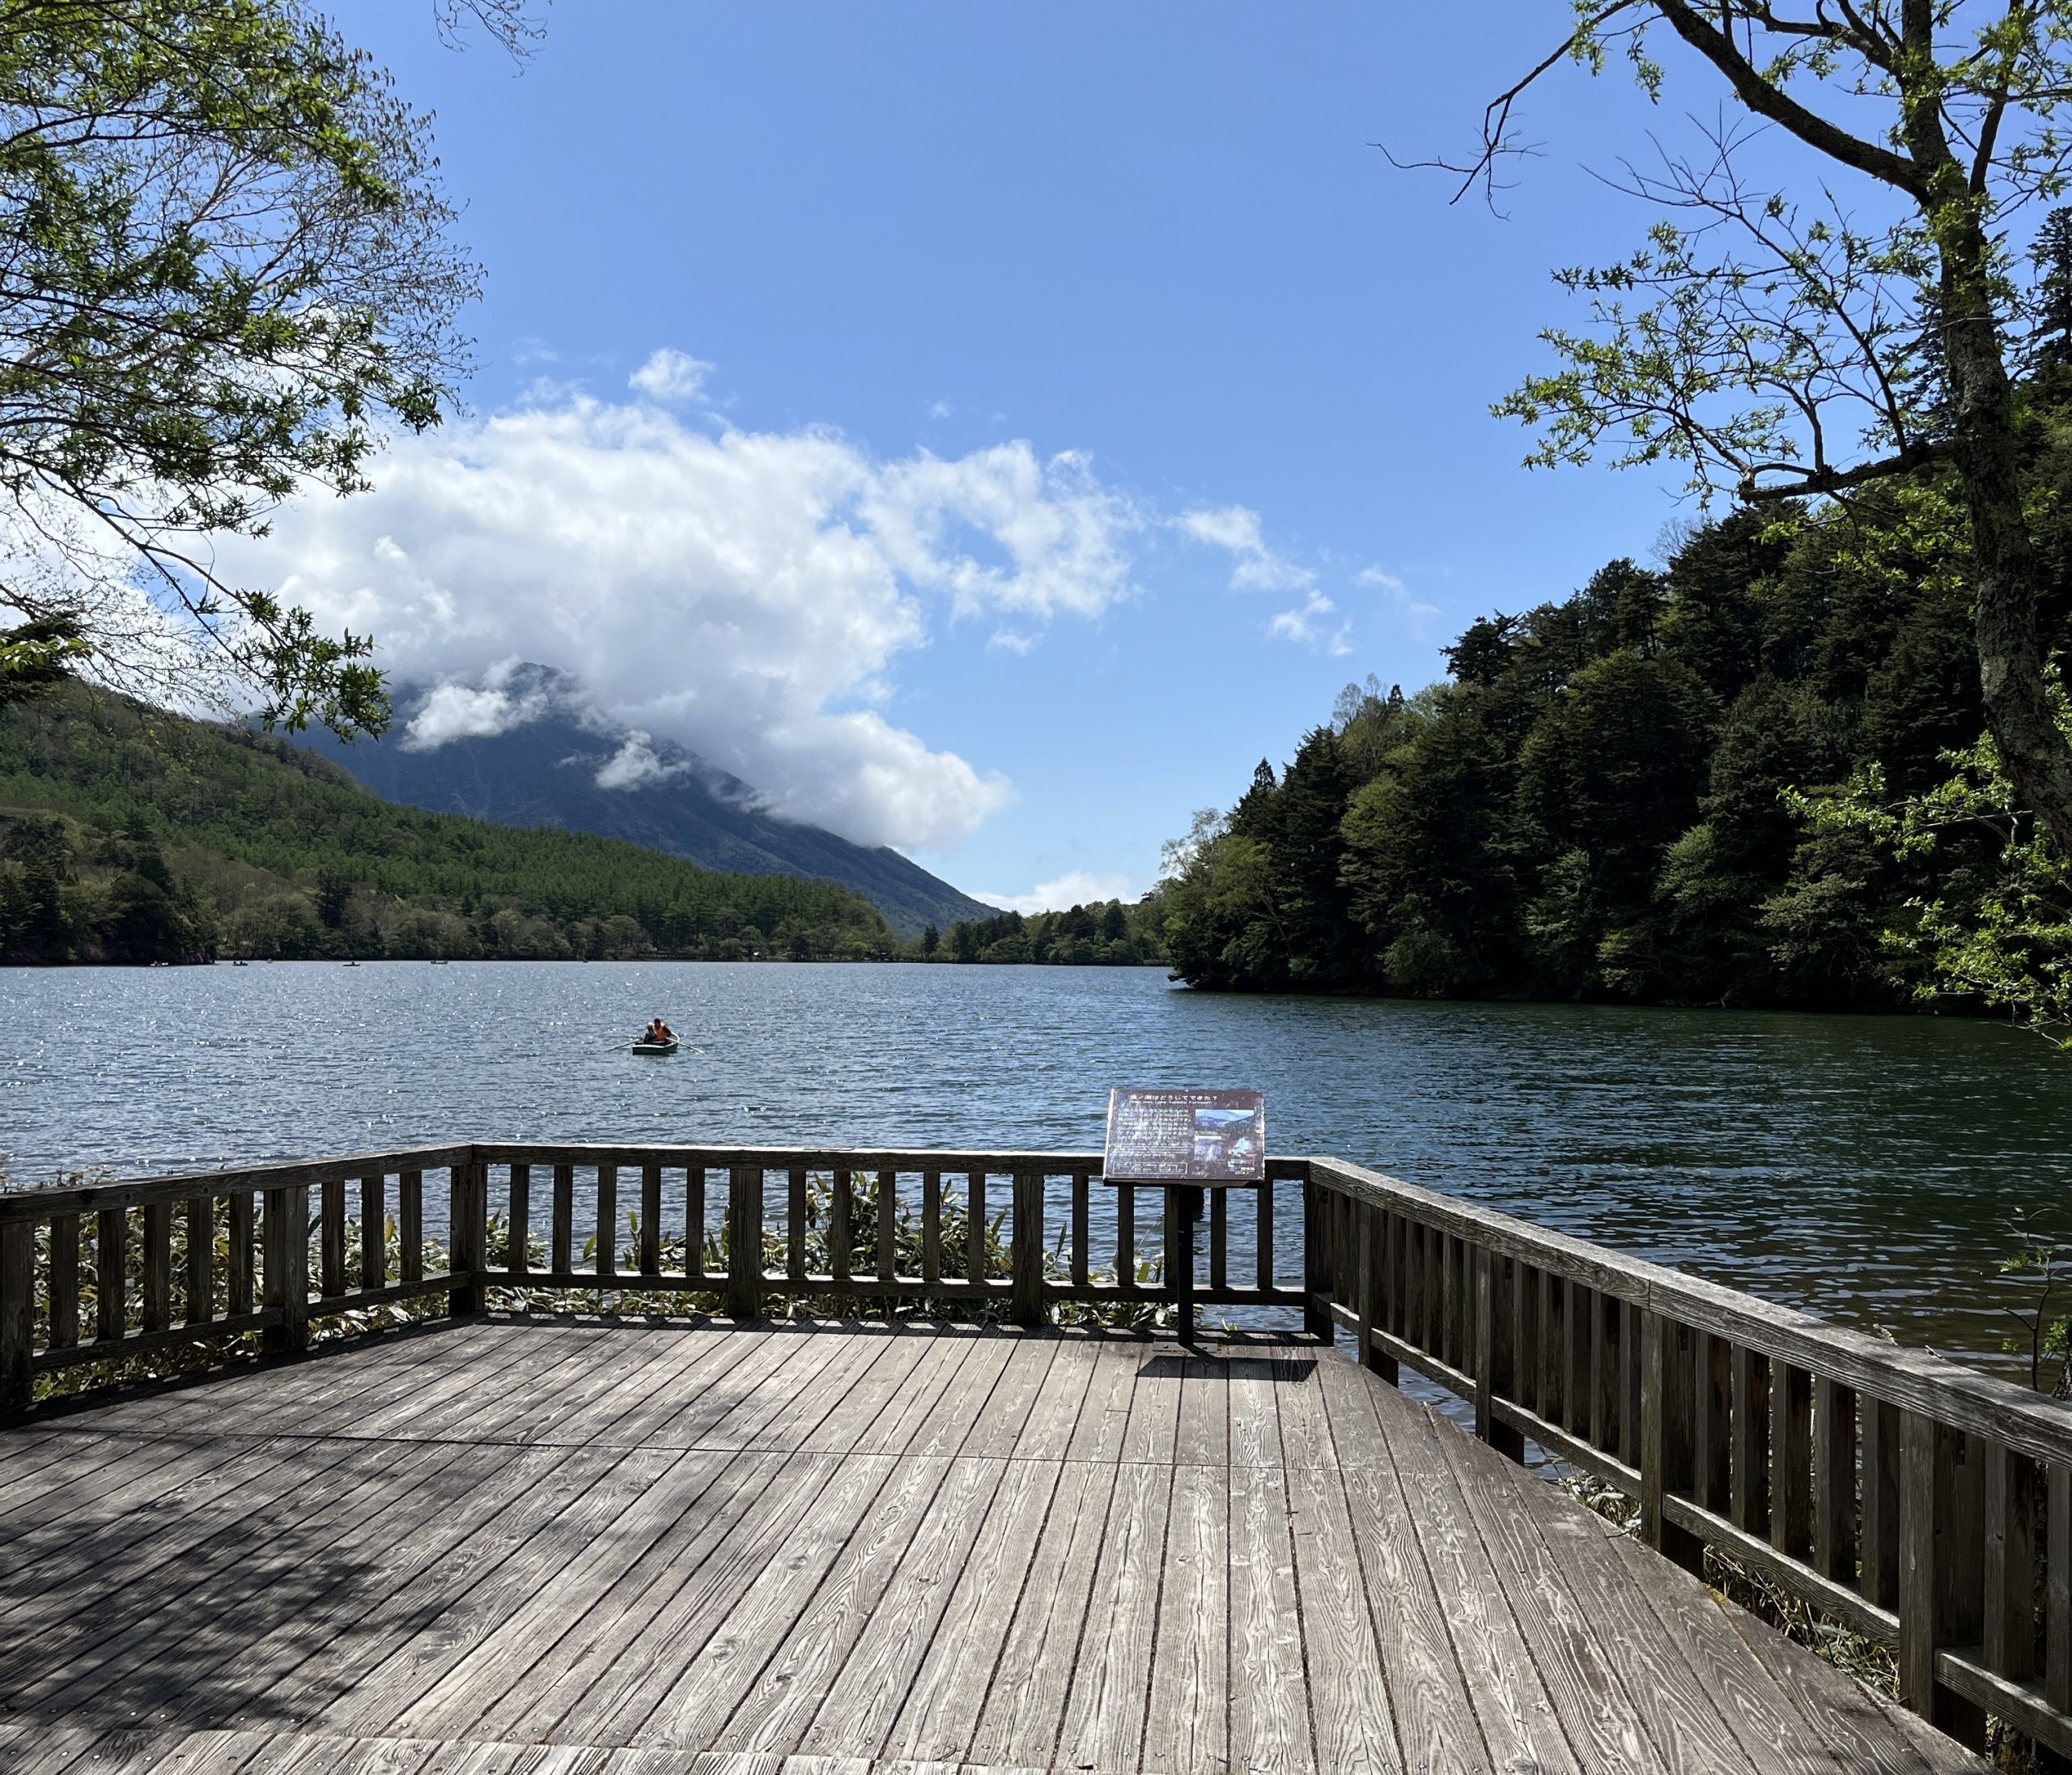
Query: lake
{"type": "Point", "coordinates": [1863, 1168]}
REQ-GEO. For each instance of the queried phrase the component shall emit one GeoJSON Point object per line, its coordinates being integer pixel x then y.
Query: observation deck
{"type": "Point", "coordinates": [724, 1543]}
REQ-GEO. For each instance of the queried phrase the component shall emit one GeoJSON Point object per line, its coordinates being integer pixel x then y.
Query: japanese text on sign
{"type": "Point", "coordinates": [1186, 1136]}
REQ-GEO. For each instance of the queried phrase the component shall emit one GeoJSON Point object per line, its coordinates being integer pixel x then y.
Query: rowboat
{"type": "Point", "coordinates": [668, 1046]}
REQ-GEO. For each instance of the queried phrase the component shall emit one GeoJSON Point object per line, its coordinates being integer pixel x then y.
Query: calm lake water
{"type": "Point", "coordinates": [1862, 1168]}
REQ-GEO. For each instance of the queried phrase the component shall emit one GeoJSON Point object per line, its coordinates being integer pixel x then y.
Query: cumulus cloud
{"type": "Point", "coordinates": [1236, 529]}
{"type": "Point", "coordinates": [464, 712]}
{"type": "Point", "coordinates": [746, 594]}
{"type": "Point", "coordinates": [636, 764]}
{"type": "Point", "coordinates": [1075, 887]}
{"type": "Point", "coordinates": [1257, 567]}
{"type": "Point", "coordinates": [670, 375]}
{"type": "Point", "coordinates": [1312, 624]}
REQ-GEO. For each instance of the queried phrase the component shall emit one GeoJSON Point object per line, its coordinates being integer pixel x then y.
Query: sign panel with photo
{"type": "Point", "coordinates": [1199, 1137]}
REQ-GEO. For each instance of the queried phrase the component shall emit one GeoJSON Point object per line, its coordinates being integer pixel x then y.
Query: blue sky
{"type": "Point", "coordinates": [1152, 240]}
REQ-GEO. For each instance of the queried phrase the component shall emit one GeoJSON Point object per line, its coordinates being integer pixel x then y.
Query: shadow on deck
{"type": "Point", "coordinates": [783, 1543]}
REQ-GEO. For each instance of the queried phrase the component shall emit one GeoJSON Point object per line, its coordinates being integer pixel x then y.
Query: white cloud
{"type": "Point", "coordinates": [746, 594]}
{"type": "Point", "coordinates": [462, 711]}
{"type": "Point", "coordinates": [938, 409]}
{"type": "Point", "coordinates": [1309, 624]}
{"type": "Point", "coordinates": [1417, 615]}
{"type": "Point", "coordinates": [636, 764]}
{"type": "Point", "coordinates": [670, 375]}
{"type": "Point", "coordinates": [1075, 887]}
{"type": "Point", "coordinates": [1236, 529]}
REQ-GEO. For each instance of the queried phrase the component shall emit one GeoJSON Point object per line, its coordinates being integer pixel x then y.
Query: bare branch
{"type": "Point", "coordinates": [1767, 100]}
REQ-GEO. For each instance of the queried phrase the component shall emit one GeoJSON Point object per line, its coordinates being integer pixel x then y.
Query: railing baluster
{"type": "Point", "coordinates": [744, 1241]}
{"type": "Point", "coordinates": [65, 1281]}
{"type": "Point", "coordinates": [286, 1231]}
{"type": "Point", "coordinates": [1834, 1480]}
{"type": "Point", "coordinates": [1525, 1341]}
{"type": "Point", "coordinates": [201, 1289]}
{"type": "Point", "coordinates": [111, 1274]}
{"type": "Point", "coordinates": [1264, 1197]}
{"type": "Point", "coordinates": [931, 1226]}
{"type": "Point", "coordinates": [1604, 1430]}
{"type": "Point", "coordinates": [410, 1225]}
{"type": "Point", "coordinates": [607, 1221]}
{"type": "Point", "coordinates": [1791, 1460]}
{"type": "Point", "coordinates": [1374, 1294]}
{"type": "Point", "coordinates": [1218, 1239]}
{"type": "Point", "coordinates": [2009, 1587]}
{"type": "Point", "coordinates": [1631, 1363]}
{"type": "Point", "coordinates": [795, 1226]}
{"type": "Point", "coordinates": [651, 1220]}
{"type": "Point", "coordinates": [468, 1241]}
{"type": "Point", "coordinates": [1125, 1234]}
{"type": "Point", "coordinates": [2058, 1589]}
{"type": "Point", "coordinates": [1749, 1498]}
{"type": "Point", "coordinates": [374, 1231]}
{"type": "Point", "coordinates": [562, 1256]}
{"type": "Point", "coordinates": [975, 1227]}
{"type": "Point", "coordinates": [1881, 1502]}
{"type": "Point", "coordinates": [694, 1213]}
{"type": "Point", "coordinates": [841, 1229]}
{"type": "Point", "coordinates": [888, 1225]}
{"type": "Point", "coordinates": [244, 1252]}
{"type": "Point", "coordinates": [1712, 1424]}
{"type": "Point", "coordinates": [17, 1315]}
{"type": "Point", "coordinates": [1548, 1400]}
{"type": "Point", "coordinates": [1027, 1250]}
{"type": "Point", "coordinates": [331, 1271]}
{"type": "Point", "coordinates": [158, 1266]}
{"type": "Point", "coordinates": [518, 1259]}
{"type": "Point", "coordinates": [1582, 1314]}
{"type": "Point", "coordinates": [1081, 1236]}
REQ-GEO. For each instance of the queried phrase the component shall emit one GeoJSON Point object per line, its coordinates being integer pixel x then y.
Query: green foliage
{"type": "Point", "coordinates": [1106, 933]}
{"type": "Point", "coordinates": [226, 273]}
{"type": "Point", "coordinates": [1729, 780]}
{"type": "Point", "coordinates": [129, 835]}
{"type": "Point", "coordinates": [1995, 926]}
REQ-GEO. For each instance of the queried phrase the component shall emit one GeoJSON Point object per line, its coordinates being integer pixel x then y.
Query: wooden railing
{"type": "Point", "coordinates": [1916, 1501]}
{"type": "Point", "coordinates": [1923, 1504]}
{"type": "Point", "coordinates": [267, 1250]}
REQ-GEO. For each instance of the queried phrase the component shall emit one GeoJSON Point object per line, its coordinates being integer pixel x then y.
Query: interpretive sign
{"type": "Point", "coordinates": [1205, 1138]}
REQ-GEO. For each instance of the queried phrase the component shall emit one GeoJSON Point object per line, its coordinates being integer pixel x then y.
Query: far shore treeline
{"type": "Point", "coordinates": [127, 834]}
{"type": "Point", "coordinates": [1616, 796]}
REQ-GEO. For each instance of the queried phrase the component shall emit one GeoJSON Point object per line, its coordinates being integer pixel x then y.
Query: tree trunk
{"type": "Point", "coordinates": [2018, 710]}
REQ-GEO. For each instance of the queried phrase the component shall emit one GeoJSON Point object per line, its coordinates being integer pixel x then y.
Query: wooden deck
{"type": "Point", "coordinates": [792, 1545]}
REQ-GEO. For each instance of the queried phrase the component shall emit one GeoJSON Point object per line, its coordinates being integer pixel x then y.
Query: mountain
{"type": "Point", "coordinates": [544, 769]}
{"type": "Point", "coordinates": [129, 834]}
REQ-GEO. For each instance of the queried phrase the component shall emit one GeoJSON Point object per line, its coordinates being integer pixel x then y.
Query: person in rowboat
{"type": "Point", "coordinates": [659, 1031]}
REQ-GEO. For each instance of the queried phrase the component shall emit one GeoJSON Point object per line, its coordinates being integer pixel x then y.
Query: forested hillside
{"type": "Point", "coordinates": [1594, 804]}
{"type": "Point", "coordinates": [129, 835]}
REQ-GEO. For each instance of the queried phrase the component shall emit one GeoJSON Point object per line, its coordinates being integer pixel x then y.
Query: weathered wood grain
{"type": "Point", "coordinates": [590, 1548]}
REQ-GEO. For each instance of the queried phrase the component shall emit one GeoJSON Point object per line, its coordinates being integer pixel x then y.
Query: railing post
{"type": "Point", "coordinates": [1316, 1263]}
{"type": "Point", "coordinates": [1932, 1594]}
{"type": "Point", "coordinates": [745, 1241]}
{"type": "Point", "coordinates": [468, 1237]}
{"type": "Point", "coordinates": [1485, 1357]}
{"type": "Point", "coordinates": [1666, 1380]}
{"type": "Point", "coordinates": [1027, 1305]}
{"type": "Point", "coordinates": [285, 1237]}
{"type": "Point", "coordinates": [17, 1314]}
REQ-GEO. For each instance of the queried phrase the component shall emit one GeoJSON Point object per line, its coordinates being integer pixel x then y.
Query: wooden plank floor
{"type": "Point", "coordinates": [590, 1549]}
